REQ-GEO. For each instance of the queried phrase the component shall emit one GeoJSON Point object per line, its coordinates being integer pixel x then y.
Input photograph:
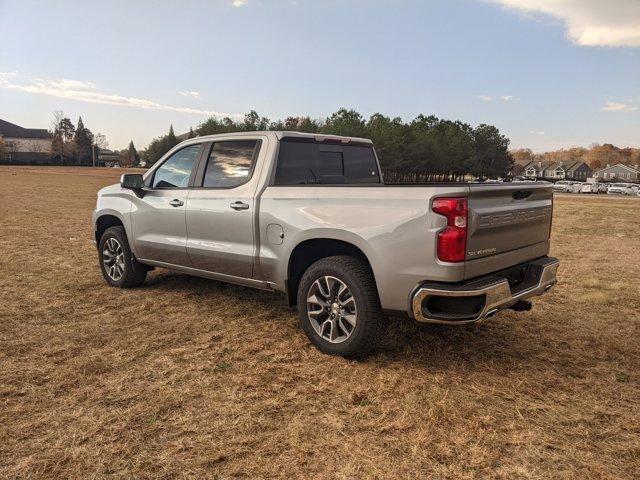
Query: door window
{"type": "Point", "coordinates": [230, 163]}
{"type": "Point", "coordinates": [176, 170]}
{"type": "Point", "coordinates": [307, 162]}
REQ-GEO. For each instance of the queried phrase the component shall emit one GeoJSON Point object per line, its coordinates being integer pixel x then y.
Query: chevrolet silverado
{"type": "Point", "coordinates": [311, 216]}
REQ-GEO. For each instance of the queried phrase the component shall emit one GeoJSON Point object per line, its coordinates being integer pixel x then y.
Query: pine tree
{"type": "Point", "coordinates": [83, 141]}
{"type": "Point", "coordinates": [57, 146]}
{"type": "Point", "coordinates": [132, 155]}
{"type": "Point", "coordinates": [191, 134]}
{"type": "Point", "coordinates": [159, 146]}
{"type": "Point", "coordinates": [172, 141]}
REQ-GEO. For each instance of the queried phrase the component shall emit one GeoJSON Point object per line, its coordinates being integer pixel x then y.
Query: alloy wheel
{"type": "Point", "coordinates": [331, 309]}
{"type": "Point", "coordinates": [113, 259]}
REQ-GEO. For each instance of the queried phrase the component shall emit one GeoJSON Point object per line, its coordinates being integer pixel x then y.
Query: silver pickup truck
{"type": "Point", "coordinates": [310, 215]}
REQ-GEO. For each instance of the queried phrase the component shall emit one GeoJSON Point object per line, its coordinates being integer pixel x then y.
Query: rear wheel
{"type": "Point", "coordinates": [338, 306]}
{"type": "Point", "coordinates": [119, 266]}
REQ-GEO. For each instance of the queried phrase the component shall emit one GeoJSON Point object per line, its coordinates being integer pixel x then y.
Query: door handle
{"type": "Point", "coordinates": [239, 205]}
{"type": "Point", "coordinates": [176, 203]}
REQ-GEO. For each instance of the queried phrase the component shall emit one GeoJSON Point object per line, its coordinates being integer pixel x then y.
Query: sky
{"type": "Point", "coordinates": [548, 73]}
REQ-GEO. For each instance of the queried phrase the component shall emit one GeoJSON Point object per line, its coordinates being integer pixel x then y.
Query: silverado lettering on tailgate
{"type": "Point", "coordinates": [513, 218]}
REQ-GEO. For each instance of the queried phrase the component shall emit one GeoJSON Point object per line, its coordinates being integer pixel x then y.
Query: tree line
{"type": "Point", "coordinates": [77, 145]}
{"type": "Point", "coordinates": [426, 149]}
{"type": "Point", "coordinates": [74, 144]}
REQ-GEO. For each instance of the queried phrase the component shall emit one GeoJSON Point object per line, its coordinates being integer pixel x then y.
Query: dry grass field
{"type": "Point", "coordinates": [191, 378]}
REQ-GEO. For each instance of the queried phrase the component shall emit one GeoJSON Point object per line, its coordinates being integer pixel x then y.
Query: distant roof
{"type": "Point", "coordinates": [105, 154]}
{"type": "Point", "coordinates": [628, 167]}
{"type": "Point", "coordinates": [576, 166]}
{"type": "Point", "coordinates": [569, 165]}
{"type": "Point", "coordinates": [11, 130]}
{"type": "Point", "coordinates": [544, 164]}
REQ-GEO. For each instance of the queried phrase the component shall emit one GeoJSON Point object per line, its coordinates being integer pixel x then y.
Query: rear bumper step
{"type": "Point", "coordinates": [482, 297]}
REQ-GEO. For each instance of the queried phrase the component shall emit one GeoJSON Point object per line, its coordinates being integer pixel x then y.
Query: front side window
{"type": "Point", "coordinates": [230, 163]}
{"type": "Point", "coordinates": [176, 170]}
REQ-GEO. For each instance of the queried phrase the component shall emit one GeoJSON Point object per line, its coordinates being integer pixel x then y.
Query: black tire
{"type": "Point", "coordinates": [134, 273]}
{"type": "Point", "coordinates": [370, 323]}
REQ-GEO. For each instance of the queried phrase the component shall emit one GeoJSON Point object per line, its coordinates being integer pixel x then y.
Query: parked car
{"type": "Point", "coordinates": [575, 187]}
{"type": "Point", "coordinates": [310, 216]}
{"type": "Point", "coordinates": [562, 186]}
{"type": "Point", "coordinates": [632, 189]}
{"type": "Point", "coordinates": [603, 187]}
{"type": "Point", "coordinates": [589, 188]}
{"type": "Point", "coordinates": [618, 189]}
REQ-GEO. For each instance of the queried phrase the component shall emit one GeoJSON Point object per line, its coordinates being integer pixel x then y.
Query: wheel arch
{"type": "Point", "coordinates": [309, 251]}
{"type": "Point", "coordinates": [105, 221]}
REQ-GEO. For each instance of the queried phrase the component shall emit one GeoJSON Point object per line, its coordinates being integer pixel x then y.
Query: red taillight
{"type": "Point", "coordinates": [452, 241]}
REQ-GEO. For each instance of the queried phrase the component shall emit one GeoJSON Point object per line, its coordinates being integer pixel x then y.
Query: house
{"type": "Point", "coordinates": [619, 172]}
{"type": "Point", "coordinates": [536, 169]}
{"type": "Point", "coordinates": [108, 158]}
{"type": "Point", "coordinates": [579, 171]}
{"type": "Point", "coordinates": [555, 170]}
{"type": "Point", "coordinates": [24, 145]}
{"type": "Point", "coordinates": [572, 170]}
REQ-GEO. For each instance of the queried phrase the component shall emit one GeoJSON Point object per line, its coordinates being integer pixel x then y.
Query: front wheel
{"type": "Point", "coordinates": [338, 307]}
{"type": "Point", "coordinates": [119, 266]}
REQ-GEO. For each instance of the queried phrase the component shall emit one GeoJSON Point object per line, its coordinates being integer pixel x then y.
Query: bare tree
{"type": "Point", "coordinates": [35, 147]}
{"type": "Point", "coordinates": [100, 141]}
{"type": "Point", "coordinates": [56, 118]}
{"type": "Point", "coordinates": [11, 146]}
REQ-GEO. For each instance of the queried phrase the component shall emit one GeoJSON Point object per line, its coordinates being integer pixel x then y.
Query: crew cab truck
{"type": "Point", "coordinates": [310, 215]}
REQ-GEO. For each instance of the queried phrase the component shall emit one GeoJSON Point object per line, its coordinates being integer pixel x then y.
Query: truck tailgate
{"type": "Point", "coordinates": [508, 224]}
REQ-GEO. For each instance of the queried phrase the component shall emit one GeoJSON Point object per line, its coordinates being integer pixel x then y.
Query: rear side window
{"type": "Point", "coordinates": [230, 163]}
{"type": "Point", "coordinates": [304, 162]}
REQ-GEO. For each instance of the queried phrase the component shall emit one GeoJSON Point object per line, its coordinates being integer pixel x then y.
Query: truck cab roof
{"type": "Point", "coordinates": [281, 134]}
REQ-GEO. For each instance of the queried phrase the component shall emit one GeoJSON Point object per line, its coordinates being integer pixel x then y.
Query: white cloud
{"type": "Point", "coordinates": [87, 92]}
{"type": "Point", "coordinates": [190, 93]}
{"type": "Point", "coordinates": [536, 132]}
{"type": "Point", "coordinates": [619, 107]}
{"type": "Point", "coordinates": [6, 76]}
{"type": "Point", "coordinates": [608, 23]}
{"type": "Point", "coordinates": [239, 3]}
{"type": "Point", "coordinates": [66, 84]}
{"type": "Point", "coordinates": [502, 98]}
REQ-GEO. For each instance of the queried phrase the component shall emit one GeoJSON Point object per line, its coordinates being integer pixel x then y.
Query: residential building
{"type": "Point", "coordinates": [571, 170]}
{"type": "Point", "coordinates": [578, 171]}
{"type": "Point", "coordinates": [619, 172]}
{"type": "Point", "coordinates": [108, 158]}
{"type": "Point", "coordinates": [536, 169]}
{"type": "Point", "coordinates": [24, 145]}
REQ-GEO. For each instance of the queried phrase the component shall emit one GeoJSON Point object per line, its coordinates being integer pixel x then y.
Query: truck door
{"type": "Point", "coordinates": [158, 218]}
{"type": "Point", "coordinates": [221, 208]}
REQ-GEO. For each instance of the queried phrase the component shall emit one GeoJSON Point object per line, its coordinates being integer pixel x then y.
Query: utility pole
{"type": "Point", "coordinates": [93, 151]}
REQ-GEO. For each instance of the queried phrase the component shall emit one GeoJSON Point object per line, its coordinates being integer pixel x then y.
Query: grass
{"type": "Point", "coordinates": [190, 378]}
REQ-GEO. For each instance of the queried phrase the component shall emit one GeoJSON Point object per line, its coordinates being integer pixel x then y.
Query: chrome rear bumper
{"type": "Point", "coordinates": [490, 294]}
